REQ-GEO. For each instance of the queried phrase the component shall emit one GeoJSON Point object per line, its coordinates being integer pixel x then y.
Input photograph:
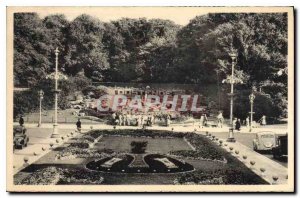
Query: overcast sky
{"type": "Point", "coordinates": [180, 16]}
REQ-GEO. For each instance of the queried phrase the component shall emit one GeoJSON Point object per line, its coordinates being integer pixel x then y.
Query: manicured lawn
{"type": "Point", "coordinates": [157, 145]}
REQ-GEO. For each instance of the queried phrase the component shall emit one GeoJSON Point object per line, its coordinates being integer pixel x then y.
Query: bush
{"type": "Point", "coordinates": [45, 176]}
{"type": "Point", "coordinates": [53, 176]}
{"type": "Point", "coordinates": [77, 152]}
{"type": "Point", "coordinates": [80, 144]}
{"type": "Point", "coordinates": [137, 133]}
{"type": "Point", "coordinates": [81, 176]}
{"type": "Point", "coordinates": [204, 148]}
{"type": "Point", "coordinates": [199, 154]}
{"type": "Point", "coordinates": [138, 146]}
{"type": "Point", "coordinates": [236, 176]}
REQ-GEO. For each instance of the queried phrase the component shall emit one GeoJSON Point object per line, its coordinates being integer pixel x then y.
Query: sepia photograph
{"type": "Point", "coordinates": [150, 99]}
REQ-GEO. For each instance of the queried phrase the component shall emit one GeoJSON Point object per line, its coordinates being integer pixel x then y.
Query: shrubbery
{"type": "Point", "coordinates": [137, 133]}
{"type": "Point", "coordinates": [199, 154]}
{"type": "Point", "coordinates": [71, 152]}
{"type": "Point", "coordinates": [46, 176]}
{"type": "Point", "coordinates": [204, 148]}
{"type": "Point", "coordinates": [236, 176]}
{"type": "Point", "coordinates": [138, 146]}
{"type": "Point", "coordinates": [74, 176]}
{"type": "Point", "coordinates": [53, 175]}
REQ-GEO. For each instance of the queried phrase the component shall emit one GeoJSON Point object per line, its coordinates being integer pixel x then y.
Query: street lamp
{"type": "Point", "coordinates": [56, 76]}
{"type": "Point", "coordinates": [251, 98]}
{"type": "Point", "coordinates": [41, 94]}
{"type": "Point", "coordinates": [233, 56]}
{"type": "Point", "coordinates": [55, 133]}
{"type": "Point", "coordinates": [145, 101]}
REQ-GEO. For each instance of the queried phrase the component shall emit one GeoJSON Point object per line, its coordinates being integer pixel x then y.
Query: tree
{"type": "Point", "coordinates": [158, 56]}
{"type": "Point", "coordinates": [156, 50]}
{"type": "Point", "coordinates": [30, 49]}
{"type": "Point", "coordinates": [57, 31]}
{"type": "Point", "coordinates": [69, 86]}
{"type": "Point", "coordinates": [85, 49]}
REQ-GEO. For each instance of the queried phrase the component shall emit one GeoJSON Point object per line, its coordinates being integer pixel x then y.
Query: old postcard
{"type": "Point", "coordinates": [150, 99]}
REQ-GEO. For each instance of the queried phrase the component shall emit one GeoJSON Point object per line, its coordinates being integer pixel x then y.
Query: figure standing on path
{"type": "Point", "coordinates": [247, 122]}
{"type": "Point", "coordinates": [205, 120]}
{"type": "Point", "coordinates": [220, 119]}
{"type": "Point", "coordinates": [201, 124]}
{"type": "Point", "coordinates": [234, 123]}
{"type": "Point", "coordinates": [168, 120]}
{"type": "Point", "coordinates": [21, 121]}
{"type": "Point", "coordinates": [263, 120]}
{"type": "Point", "coordinates": [114, 118]}
{"type": "Point", "coordinates": [238, 125]}
{"type": "Point", "coordinates": [120, 119]}
{"type": "Point", "coordinates": [78, 124]}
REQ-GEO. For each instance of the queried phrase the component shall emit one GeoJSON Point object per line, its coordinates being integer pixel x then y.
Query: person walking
{"type": "Point", "coordinates": [263, 120]}
{"type": "Point", "coordinates": [201, 124]}
{"type": "Point", "coordinates": [220, 119]}
{"type": "Point", "coordinates": [168, 120]}
{"type": "Point", "coordinates": [248, 122]}
{"type": "Point", "coordinates": [142, 120]}
{"type": "Point", "coordinates": [205, 120]}
{"type": "Point", "coordinates": [78, 124]}
{"type": "Point", "coordinates": [234, 123]}
{"type": "Point", "coordinates": [117, 120]}
{"type": "Point", "coordinates": [238, 125]}
{"type": "Point", "coordinates": [21, 121]}
{"type": "Point", "coordinates": [114, 118]}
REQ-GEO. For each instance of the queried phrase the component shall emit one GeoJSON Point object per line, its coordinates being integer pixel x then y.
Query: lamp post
{"type": "Point", "coordinates": [41, 94]}
{"type": "Point", "coordinates": [55, 133]}
{"type": "Point", "coordinates": [145, 100]}
{"type": "Point", "coordinates": [251, 98]}
{"type": "Point", "coordinates": [233, 56]}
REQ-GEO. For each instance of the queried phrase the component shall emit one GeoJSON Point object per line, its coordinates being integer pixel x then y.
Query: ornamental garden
{"type": "Point", "coordinates": [137, 156]}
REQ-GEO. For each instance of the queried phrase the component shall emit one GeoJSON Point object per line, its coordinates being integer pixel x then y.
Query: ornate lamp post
{"type": "Point", "coordinates": [56, 76]}
{"type": "Point", "coordinates": [251, 98]}
{"type": "Point", "coordinates": [233, 55]}
{"type": "Point", "coordinates": [41, 94]}
{"type": "Point", "coordinates": [145, 100]}
{"type": "Point", "coordinates": [55, 133]}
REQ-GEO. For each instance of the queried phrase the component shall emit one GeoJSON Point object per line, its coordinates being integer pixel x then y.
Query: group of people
{"type": "Point", "coordinates": [203, 120]}
{"type": "Point", "coordinates": [139, 119]}
{"type": "Point", "coordinates": [129, 119]}
{"type": "Point", "coordinates": [237, 122]}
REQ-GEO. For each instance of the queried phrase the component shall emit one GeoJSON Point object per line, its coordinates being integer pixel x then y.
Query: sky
{"type": "Point", "coordinates": [180, 16]}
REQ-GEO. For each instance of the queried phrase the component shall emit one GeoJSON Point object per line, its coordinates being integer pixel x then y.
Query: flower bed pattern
{"type": "Point", "coordinates": [206, 156]}
{"type": "Point", "coordinates": [238, 176]}
{"type": "Point", "coordinates": [204, 148]}
{"type": "Point", "coordinates": [46, 176]}
{"type": "Point", "coordinates": [53, 175]}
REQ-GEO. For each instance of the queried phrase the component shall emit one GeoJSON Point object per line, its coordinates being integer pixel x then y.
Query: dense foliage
{"type": "Point", "coordinates": [236, 176]}
{"type": "Point", "coordinates": [156, 50]}
{"type": "Point", "coordinates": [204, 149]}
{"type": "Point", "coordinates": [53, 175]}
{"type": "Point", "coordinates": [138, 146]}
{"type": "Point", "coordinates": [136, 133]}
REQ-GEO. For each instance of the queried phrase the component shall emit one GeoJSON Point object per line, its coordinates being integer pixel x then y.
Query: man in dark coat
{"type": "Point", "coordinates": [238, 125]}
{"type": "Point", "coordinates": [21, 121]}
{"type": "Point", "coordinates": [78, 124]}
